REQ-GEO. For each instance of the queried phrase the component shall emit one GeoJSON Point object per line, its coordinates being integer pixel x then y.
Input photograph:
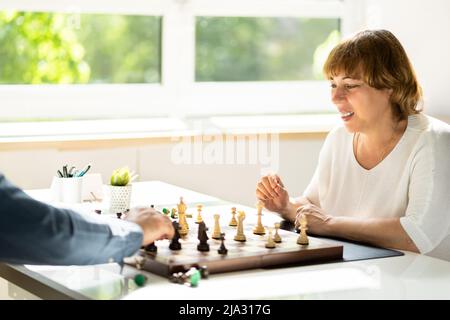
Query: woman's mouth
{"type": "Point", "coordinates": [346, 116]}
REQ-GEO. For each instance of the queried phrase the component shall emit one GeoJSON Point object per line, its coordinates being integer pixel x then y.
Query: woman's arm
{"type": "Point", "coordinates": [382, 232]}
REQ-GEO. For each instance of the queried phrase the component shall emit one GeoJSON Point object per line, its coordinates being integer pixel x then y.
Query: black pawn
{"type": "Point", "coordinates": [119, 215]}
{"type": "Point", "coordinates": [203, 237]}
{"type": "Point", "coordinates": [175, 244]}
{"type": "Point", "coordinates": [222, 249]}
{"type": "Point", "coordinates": [151, 247]}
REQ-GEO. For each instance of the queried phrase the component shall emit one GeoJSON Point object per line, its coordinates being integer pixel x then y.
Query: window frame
{"type": "Point", "coordinates": [178, 94]}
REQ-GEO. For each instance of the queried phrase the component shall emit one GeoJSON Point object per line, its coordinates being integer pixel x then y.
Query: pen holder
{"type": "Point", "coordinates": [119, 198]}
{"type": "Point", "coordinates": [68, 190]}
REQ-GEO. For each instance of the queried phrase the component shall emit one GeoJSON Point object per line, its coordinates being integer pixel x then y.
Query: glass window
{"type": "Point", "coordinates": [263, 49]}
{"type": "Point", "coordinates": [55, 48]}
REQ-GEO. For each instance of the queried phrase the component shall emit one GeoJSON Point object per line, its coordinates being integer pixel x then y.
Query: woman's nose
{"type": "Point", "coordinates": [337, 95]}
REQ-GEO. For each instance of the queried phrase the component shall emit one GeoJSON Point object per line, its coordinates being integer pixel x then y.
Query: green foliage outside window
{"type": "Point", "coordinates": [53, 48]}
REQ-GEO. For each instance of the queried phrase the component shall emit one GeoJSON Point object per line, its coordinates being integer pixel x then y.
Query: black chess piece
{"type": "Point", "coordinates": [119, 215]}
{"type": "Point", "coordinates": [203, 237]}
{"type": "Point", "coordinates": [152, 206]}
{"type": "Point", "coordinates": [151, 248]}
{"type": "Point", "coordinates": [222, 249]}
{"type": "Point", "coordinates": [175, 244]}
{"type": "Point", "coordinates": [204, 272]}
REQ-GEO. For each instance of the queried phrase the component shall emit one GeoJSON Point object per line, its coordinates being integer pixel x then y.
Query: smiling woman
{"type": "Point", "coordinates": [382, 176]}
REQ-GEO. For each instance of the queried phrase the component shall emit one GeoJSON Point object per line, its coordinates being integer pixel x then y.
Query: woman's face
{"type": "Point", "coordinates": [362, 108]}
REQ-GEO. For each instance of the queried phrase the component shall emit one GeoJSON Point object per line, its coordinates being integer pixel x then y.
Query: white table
{"type": "Point", "coordinates": [410, 276]}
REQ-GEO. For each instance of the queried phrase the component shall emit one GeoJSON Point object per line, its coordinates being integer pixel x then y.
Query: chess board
{"type": "Point", "coordinates": [241, 255]}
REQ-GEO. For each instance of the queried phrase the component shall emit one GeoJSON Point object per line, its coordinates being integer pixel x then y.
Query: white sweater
{"type": "Point", "coordinates": [411, 183]}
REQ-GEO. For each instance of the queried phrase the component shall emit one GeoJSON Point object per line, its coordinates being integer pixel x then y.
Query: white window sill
{"type": "Point", "coordinates": [89, 130]}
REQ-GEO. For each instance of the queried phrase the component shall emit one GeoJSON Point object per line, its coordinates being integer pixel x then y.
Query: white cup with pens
{"type": "Point", "coordinates": [67, 185]}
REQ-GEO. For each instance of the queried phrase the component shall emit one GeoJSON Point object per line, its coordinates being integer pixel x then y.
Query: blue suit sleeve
{"type": "Point", "coordinates": [32, 232]}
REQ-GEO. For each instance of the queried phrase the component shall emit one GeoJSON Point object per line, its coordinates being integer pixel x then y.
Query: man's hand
{"type": "Point", "coordinates": [154, 224]}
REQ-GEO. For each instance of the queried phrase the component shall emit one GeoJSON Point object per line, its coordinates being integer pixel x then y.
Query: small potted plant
{"type": "Point", "coordinates": [120, 190]}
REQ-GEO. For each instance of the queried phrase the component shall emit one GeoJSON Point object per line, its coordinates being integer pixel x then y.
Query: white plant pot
{"type": "Point", "coordinates": [119, 198]}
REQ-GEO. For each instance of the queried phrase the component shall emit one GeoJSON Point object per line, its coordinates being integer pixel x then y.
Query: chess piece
{"type": "Point", "coordinates": [119, 215]}
{"type": "Point", "coordinates": [240, 236]}
{"type": "Point", "coordinates": [199, 214]}
{"type": "Point", "coordinates": [216, 233]}
{"type": "Point", "coordinates": [151, 248]}
{"type": "Point", "coordinates": [140, 280]}
{"type": "Point", "coordinates": [181, 206]}
{"type": "Point", "coordinates": [222, 250]}
{"type": "Point", "coordinates": [174, 214]}
{"type": "Point", "coordinates": [203, 237]}
{"type": "Point", "coordinates": [175, 244]}
{"type": "Point", "coordinates": [277, 237]}
{"type": "Point", "coordinates": [165, 211]}
{"type": "Point", "coordinates": [233, 222]}
{"type": "Point", "coordinates": [190, 278]}
{"type": "Point", "coordinates": [303, 237]}
{"type": "Point", "coordinates": [270, 244]}
{"type": "Point", "coordinates": [184, 228]}
{"type": "Point", "coordinates": [259, 228]}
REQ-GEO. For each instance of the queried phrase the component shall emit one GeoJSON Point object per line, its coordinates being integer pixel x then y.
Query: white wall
{"type": "Point", "coordinates": [236, 183]}
{"type": "Point", "coordinates": [423, 27]}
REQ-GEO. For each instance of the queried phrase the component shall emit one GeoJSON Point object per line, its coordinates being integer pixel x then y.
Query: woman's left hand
{"type": "Point", "coordinates": [317, 219]}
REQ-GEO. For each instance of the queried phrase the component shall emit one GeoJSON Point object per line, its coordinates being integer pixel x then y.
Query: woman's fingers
{"type": "Point", "coordinates": [268, 187]}
{"type": "Point", "coordinates": [261, 196]}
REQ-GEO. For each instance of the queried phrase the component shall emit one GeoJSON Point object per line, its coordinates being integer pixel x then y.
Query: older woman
{"type": "Point", "coordinates": [383, 176]}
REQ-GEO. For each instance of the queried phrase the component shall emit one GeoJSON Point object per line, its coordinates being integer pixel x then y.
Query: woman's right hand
{"type": "Point", "coordinates": [271, 192]}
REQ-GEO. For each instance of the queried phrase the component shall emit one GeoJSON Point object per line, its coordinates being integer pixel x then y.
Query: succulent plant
{"type": "Point", "coordinates": [122, 177]}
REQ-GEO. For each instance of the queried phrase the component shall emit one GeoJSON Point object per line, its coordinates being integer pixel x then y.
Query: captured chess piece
{"type": "Point", "coordinates": [233, 222]}
{"type": "Point", "coordinates": [202, 237]}
{"type": "Point", "coordinates": [216, 233]}
{"type": "Point", "coordinates": [173, 214]}
{"type": "Point", "coordinates": [199, 214]}
{"type": "Point", "coordinates": [303, 237]}
{"type": "Point", "coordinates": [240, 236]}
{"type": "Point", "coordinates": [270, 244]}
{"type": "Point", "coordinates": [190, 278]}
{"type": "Point", "coordinates": [175, 243]}
{"type": "Point", "coordinates": [140, 280]}
{"type": "Point", "coordinates": [277, 237]}
{"type": "Point", "coordinates": [259, 228]}
{"type": "Point", "coordinates": [222, 250]}
{"type": "Point", "coordinates": [151, 248]}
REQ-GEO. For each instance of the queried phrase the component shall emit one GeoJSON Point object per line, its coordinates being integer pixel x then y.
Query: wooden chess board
{"type": "Point", "coordinates": [241, 255]}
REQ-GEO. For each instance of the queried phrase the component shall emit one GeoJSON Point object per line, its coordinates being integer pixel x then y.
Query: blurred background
{"type": "Point", "coordinates": [204, 94]}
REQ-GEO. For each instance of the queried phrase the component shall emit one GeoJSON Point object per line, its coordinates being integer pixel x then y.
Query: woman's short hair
{"type": "Point", "coordinates": [379, 59]}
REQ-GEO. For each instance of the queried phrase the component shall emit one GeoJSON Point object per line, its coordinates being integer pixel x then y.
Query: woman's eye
{"type": "Point", "coordinates": [333, 85]}
{"type": "Point", "coordinates": [351, 86]}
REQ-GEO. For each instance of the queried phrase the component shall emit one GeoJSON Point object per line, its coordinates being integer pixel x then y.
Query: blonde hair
{"type": "Point", "coordinates": [379, 59]}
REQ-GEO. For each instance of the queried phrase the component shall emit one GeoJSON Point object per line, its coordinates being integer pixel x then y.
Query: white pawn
{"type": "Point", "coordinates": [270, 244]}
{"type": "Point", "coordinates": [217, 234]}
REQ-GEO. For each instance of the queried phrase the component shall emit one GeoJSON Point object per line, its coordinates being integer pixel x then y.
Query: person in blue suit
{"type": "Point", "coordinates": [32, 232]}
